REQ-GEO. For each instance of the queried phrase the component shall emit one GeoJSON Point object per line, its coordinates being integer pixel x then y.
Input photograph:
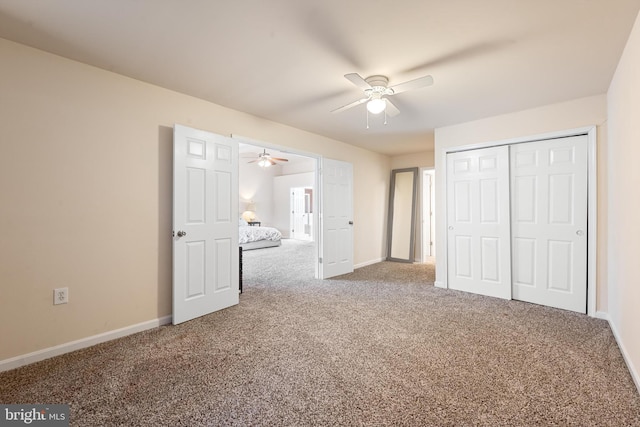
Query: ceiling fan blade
{"type": "Point", "coordinates": [253, 161]}
{"type": "Point", "coordinates": [412, 84]}
{"type": "Point", "coordinates": [391, 109]}
{"type": "Point", "coordinates": [357, 80]}
{"type": "Point", "coordinates": [278, 159]}
{"type": "Point", "coordinates": [351, 105]}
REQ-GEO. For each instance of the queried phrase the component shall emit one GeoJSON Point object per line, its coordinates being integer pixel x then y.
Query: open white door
{"type": "Point", "coordinates": [479, 252]}
{"type": "Point", "coordinates": [336, 250]}
{"type": "Point", "coordinates": [205, 223]}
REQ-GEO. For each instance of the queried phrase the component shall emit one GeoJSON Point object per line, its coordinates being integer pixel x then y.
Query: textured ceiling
{"type": "Point", "coordinates": [284, 60]}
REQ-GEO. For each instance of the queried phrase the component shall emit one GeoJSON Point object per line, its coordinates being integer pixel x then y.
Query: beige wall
{"type": "Point", "coordinates": [85, 181]}
{"type": "Point", "coordinates": [551, 118]}
{"type": "Point", "coordinates": [419, 160]}
{"type": "Point", "coordinates": [422, 159]}
{"type": "Point", "coordinates": [624, 202]}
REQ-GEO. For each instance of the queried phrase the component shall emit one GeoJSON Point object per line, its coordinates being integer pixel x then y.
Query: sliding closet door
{"type": "Point", "coordinates": [549, 222]}
{"type": "Point", "coordinates": [478, 223]}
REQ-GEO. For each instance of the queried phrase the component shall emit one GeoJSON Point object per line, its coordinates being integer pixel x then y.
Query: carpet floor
{"type": "Point", "coordinates": [377, 347]}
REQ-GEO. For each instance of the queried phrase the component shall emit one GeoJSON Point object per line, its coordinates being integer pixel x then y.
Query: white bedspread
{"type": "Point", "coordinates": [254, 234]}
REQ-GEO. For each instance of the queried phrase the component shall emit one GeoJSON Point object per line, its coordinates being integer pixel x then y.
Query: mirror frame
{"type": "Point", "coordinates": [414, 194]}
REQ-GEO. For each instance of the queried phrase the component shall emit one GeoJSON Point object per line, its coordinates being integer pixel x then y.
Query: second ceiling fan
{"type": "Point", "coordinates": [265, 160]}
{"type": "Point", "coordinates": [377, 92]}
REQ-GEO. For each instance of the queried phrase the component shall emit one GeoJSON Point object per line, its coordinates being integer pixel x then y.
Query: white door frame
{"type": "Point", "coordinates": [590, 132]}
{"type": "Point", "coordinates": [425, 217]}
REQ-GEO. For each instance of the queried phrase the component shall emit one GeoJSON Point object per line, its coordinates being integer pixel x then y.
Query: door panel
{"type": "Point", "coordinates": [205, 257]}
{"type": "Point", "coordinates": [478, 222]}
{"type": "Point", "coordinates": [549, 223]}
{"type": "Point", "coordinates": [337, 218]}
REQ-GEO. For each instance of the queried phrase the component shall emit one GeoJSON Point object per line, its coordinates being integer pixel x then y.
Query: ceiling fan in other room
{"type": "Point", "coordinates": [265, 160]}
{"type": "Point", "coordinates": [377, 93]}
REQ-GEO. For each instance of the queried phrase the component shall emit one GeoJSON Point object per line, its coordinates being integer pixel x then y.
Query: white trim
{"type": "Point", "coordinates": [440, 284]}
{"type": "Point", "coordinates": [592, 207]}
{"type": "Point", "coordinates": [602, 315]}
{"type": "Point", "coordinates": [532, 138]}
{"type": "Point", "coordinates": [625, 355]}
{"type": "Point", "coordinates": [370, 262]}
{"type": "Point", "coordinates": [431, 171]}
{"type": "Point", "coordinates": [37, 356]}
{"type": "Point", "coordinates": [592, 218]}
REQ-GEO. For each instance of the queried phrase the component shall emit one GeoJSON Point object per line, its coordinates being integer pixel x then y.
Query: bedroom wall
{"type": "Point", "coordinates": [551, 118]}
{"type": "Point", "coordinates": [85, 179]}
{"type": "Point", "coordinates": [623, 105]}
{"type": "Point", "coordinates": [256, 183]}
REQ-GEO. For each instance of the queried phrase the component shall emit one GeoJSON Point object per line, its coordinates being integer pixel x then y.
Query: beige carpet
{"type": "Point", "coordinates": [380, 346]}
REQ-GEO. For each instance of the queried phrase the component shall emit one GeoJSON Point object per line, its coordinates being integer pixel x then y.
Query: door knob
{"type": "Point", "coordinates": [350, 222]}
{"type": "Point", "coordinates": [579, 232]}
{"type": "Point", "coordinates": [182, 233]}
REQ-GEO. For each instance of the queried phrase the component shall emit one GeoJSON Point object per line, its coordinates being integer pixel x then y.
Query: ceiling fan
{"type": "Point", "coordinates": [377, 92]}
{"type": "Point", "coordinates": [265, 160]}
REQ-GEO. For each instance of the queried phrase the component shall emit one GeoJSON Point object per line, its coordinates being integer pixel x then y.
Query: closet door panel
{"type": "Point", "coordinates": [478, 222]}
{"type": "Point", "coordinates": [549, 222]}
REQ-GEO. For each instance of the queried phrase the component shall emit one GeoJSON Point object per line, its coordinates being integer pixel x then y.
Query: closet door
{"type": "Point", "coordinates": [478, 223]}
{"type": "Point", "coordinates": [549, 222]}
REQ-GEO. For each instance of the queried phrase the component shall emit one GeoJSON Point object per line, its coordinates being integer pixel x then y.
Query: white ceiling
{"type": "Point", "coordinates": [284, 60]}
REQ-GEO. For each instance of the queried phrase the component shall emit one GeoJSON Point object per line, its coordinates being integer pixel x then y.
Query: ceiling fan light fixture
{"type": "Point", "coordinates": [264, 163]}
{"type": "Point", "coordinates": [376, 105]}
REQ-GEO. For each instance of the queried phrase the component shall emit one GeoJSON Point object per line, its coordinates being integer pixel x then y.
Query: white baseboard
{"type": "Point", "coordinates": [36, 356]}
{"type": "Point", "coordinates": [439, 284]}
{"type": "Point", "coordinates": [602, 315]}
{"type": "Point", "coordinates": [370, 262]}
{"type": "Point", "coordinates": [625, 355]}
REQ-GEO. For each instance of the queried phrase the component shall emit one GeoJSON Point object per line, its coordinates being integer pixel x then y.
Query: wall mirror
{"type": "Point", "coordinates": [402, 214]}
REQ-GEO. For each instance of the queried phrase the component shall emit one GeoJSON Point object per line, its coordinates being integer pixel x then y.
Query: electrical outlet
{"type": "Point", "coordinates": [60, 296]}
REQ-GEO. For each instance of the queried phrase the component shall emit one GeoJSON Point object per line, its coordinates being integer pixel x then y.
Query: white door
{"type": "Point", "coordinates": [299, 217]}
{"type": "Point", "coordinates": [336, 218]}
{"type": "Point", "coordinates": [426, 216]}
{"type": "Point", "coordinates": [205, 223]}
{"type": "Point", "coordinates": [478, 222]}
{"type": "Point", "coordinates": [549, 222]}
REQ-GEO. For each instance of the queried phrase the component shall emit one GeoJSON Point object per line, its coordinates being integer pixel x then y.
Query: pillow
{"type": "Point", "coordinates": [242, 223]}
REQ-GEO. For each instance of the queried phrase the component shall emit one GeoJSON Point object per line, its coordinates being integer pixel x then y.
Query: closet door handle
{"type": "Point", "coordinates": [579, 232]}
{"type": "Point", "coordinates": [182, 233]}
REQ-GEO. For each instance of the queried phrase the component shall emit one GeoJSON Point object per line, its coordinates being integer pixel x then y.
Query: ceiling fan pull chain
{"type": "Point", "coordinates": [385, 116]}
{"type": "Point", "coordinates": [367, 119]}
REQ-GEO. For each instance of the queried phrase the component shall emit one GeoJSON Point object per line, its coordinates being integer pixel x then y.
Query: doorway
{"type": "Point", "coordinates": [267, 189]}
{"type": "Point", "coordinates": [301, 218]}
{"type": "Point", "coordinates": [331, 203]}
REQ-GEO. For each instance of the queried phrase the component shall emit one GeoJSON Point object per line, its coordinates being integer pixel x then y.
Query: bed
{"type": "Point", "coordinates": [251, 237]}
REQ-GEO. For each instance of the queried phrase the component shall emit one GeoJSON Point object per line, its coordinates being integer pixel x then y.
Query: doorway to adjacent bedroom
{"type": "Point", "coordinates": [277, 195]}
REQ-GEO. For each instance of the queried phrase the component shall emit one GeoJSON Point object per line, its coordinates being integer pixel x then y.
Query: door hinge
{"type": "Point", "coordinates": [320, 260]}
{"type": "Point", "coordinates": [173, 233]}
